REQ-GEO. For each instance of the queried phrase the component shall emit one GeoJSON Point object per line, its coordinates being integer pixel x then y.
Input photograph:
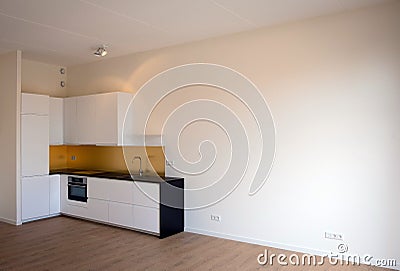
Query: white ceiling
{"type": "Point", "coordinates": [66, 32]}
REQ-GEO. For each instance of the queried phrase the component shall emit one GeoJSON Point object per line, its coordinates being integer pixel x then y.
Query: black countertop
{"type": "Point", "coordinates": [125, 176]}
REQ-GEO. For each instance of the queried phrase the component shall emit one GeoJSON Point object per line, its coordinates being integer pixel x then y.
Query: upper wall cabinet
{"type": "Point", "coordinates": [86, 119]}
{"type": "Point", "coordinates": [56, 121]}
{"type": "Point", "coordinates": [80, 120]}
{"type": "Point", "coordinates": [70, 121]}
{"type": "Point", "coordinates": [95, 119]}
{"type": "Point", "coordinates": [34, 104]}
{"type": "Point", "coordinates": [110, 114]}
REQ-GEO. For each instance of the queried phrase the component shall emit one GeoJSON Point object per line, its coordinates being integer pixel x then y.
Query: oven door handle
{"type": "Point", "coordinates": [79, 185]}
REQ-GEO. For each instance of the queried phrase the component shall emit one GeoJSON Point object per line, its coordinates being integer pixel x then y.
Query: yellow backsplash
{"type": "Point", "coordinates": [108, 158]}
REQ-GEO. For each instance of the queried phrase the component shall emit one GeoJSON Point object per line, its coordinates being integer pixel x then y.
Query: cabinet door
{"type": "Point", "coordinates": [56, 120]}
{"type": "Point", "coordinates": [121, 191]}
{"type": "Point", "coordinates": [76, 210]}
{"type": "Point", "coordinates": [146, 194]}
{"type": "Point", "coordinates": [98, 188]}
{"type": "Point", "coordinates": [146, 218]}
{"type": "Point", "coordinates": [86, 118]}
{"type": "Point", "coordinates": [106, 119]}
{"type": "Point", "coordinates": [125, 120]}
{"type": "Point", "coordinates": [97, 210]}
{"type": "Point", "coordinates": [35, 197]}
{"type": "Point", "coordinates": [34, 104]}
{"type": "Point", "coordinates": [34, 145]}
{"type": "Point", "coordinates": [63, 193]}
{"type": "Point", "coordinates": [120, 214]}
{"type": "Point", "coordinates": [70, 121]}
{"type": "Point", "coordinates": [54, 194]}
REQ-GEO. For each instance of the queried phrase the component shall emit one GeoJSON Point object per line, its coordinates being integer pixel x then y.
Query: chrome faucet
{"type": "Point", "coordinates": [140, 164]}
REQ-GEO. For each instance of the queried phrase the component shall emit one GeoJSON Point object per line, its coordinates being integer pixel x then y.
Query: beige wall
{"type": "Point", "coordinates": [332, 84]}
{"type": "Point", "coordinates": [42, 78]}
{"type": "Point", "coordinates": [10, 95]}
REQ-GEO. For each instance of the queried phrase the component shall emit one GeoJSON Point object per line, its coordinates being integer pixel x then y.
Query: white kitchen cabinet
{"type": "Point", "coordinates": [76, 210]}
{"type": "Point", "coordinates": [122, 203]}
{"type": "Point", "coordinates": [120, 191]}
{"type": "Point", "coordinates": [34, 104]}
{"type": "Point", "coordinates": [54, 187]}
{"type": "Point", "coordinates": [56, 120]}
{"type": "Point", "coordinates": [34, 145]}
{"type": "Point", "coordinates": [120, 214]}
{"type": "Point", "coordinates": [110, 115]}
{"type": "Point", "coordinates": [35, 197]}
{"type": "Point", "coordinates": [146, 194]}
{"type": "Point", "coordinates": [95, 119]}
{"type": "Point", "coordinates": [98, 188]}
{"type": "Point", "coordinates": [70, 121]}
{"type": "Point", "coordinates": [86, 120]}
{"type": "Point", "coordinates": [97, 210]}
{"type": "Point", "coordinates": [100, 119]}
{"type": "Point", "coordinates": [63, 193]}
{"type": "Point", "coordinates": [146, 218]}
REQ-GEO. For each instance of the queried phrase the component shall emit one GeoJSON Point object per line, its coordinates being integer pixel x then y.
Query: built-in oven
{"type": "Point", "coordinates": [77, 188]}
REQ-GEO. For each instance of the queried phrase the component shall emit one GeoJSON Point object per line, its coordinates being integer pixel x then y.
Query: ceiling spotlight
{"type": "Point", "coordinates": [101, 51]}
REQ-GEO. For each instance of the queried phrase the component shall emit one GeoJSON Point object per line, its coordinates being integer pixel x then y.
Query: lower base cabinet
{"type": "Point", "coordinates": [97, 210]}
{"type": "Point", "coordinates": [120, 214]}
{"type": "Point", "coordinates": [54, 187]}
{"type": "Point", "coordinates": [40, 196]}
{"type": "Point", "coordinates": [35, 197]}
{"type": "Point", "coordinates": [146, 218]}
{"type": "Point", "coordinates": [134, 205]}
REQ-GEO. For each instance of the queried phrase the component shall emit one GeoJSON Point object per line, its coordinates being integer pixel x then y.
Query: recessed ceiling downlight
{"type": "Point", "coordinates": [101, 51]}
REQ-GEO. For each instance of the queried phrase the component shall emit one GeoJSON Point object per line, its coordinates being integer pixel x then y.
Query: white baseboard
{"type": "Point", "coordinates": [8, 221]}
{"type": "Point", "coordinates": [258, 242]}
{"type": "Point", "coordinates": [268, 244]}
{"type": "Point", "coordinates": [40, 217]}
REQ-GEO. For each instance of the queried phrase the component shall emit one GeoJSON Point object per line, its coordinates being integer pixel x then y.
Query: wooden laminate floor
{"type": "Point", "coordinates": [64, 243]}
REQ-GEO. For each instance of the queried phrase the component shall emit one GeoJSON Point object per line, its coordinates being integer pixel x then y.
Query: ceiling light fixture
{"type": "Point", "coordinates": [101, 51]}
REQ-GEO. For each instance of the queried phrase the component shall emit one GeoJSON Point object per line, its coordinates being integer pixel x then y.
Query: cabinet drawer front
{"type": "Point", "coordinates": [76, 210]}
{"type": "Point", "coordinates": [120, 214]}
{"type": "Point", "coordinates": [146, 194]}
{"type": "Point", "coordinates": [147, 219]}
{"type": "Point", "coordinates": [98, 188]}
{"type": "Point", "coordinates": [121, 191]}
{"type": "Point", "coordinates": [97, 210]}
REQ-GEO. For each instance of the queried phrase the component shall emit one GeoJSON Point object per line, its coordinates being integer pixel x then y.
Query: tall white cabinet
{"type": "Point", "coordinates": [34, 135]}
{"type": "Point", "coordinates": [39, 197]}
{"type": "Point", "coordinates": [34, 145]}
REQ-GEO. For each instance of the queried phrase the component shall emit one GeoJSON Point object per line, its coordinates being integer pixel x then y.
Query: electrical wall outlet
{"type": "Point", "coordinates": [169, 163]}
{"type": "Point", "coordinates": [216, 218]}
{"type": "Point", "coordinates": [334, 236]}
{"type": "Point", "coordinates": [73, 157]}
